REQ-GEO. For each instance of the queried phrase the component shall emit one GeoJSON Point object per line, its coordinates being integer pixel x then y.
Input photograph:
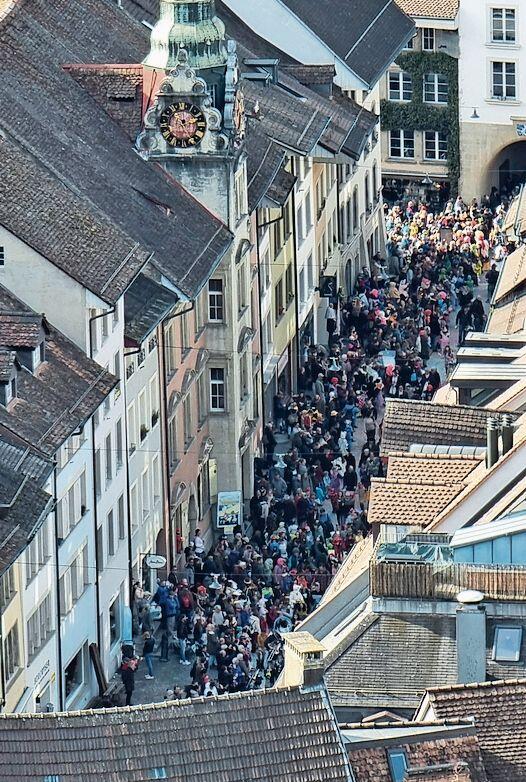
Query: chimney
{"type": "Point", "coordinates": [492, 442]}
{"type": "Point", "coordinates": [304, 664]}
{"type": "Point", "coordinates": [508, 429]}
{"type": "Point", "coordinates": [471, 637]}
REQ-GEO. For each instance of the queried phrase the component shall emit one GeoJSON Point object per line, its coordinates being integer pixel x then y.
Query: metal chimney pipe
{"type": "Point", "coordinates": [508, 429]}
{"type": "Point", "coordinates": [492, 442]}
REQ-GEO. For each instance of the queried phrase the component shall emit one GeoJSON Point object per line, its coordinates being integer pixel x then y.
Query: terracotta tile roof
{"type": "Point", "coordinates": [410, 502]}
{"type": "Point", "coordinates": [441, 759]}
{"type": "Point", "coordinates": [430, 9]}
{"type": "Point", "coordinates": [63, 392]}
{"type": "Point", "coordinates": [409, 421]}
{"type": "Point", "coordinates": [20, 329]}
{"type": "Point", "coordinates": [512, 274]}
{"type": "Point", "coordinates": [391, 660]}
{"type": "Point", "coordinates": [510, 318]}
{"type": "Point", "coordinates": [499, 711]}
{"type": "Point", "coordinates": [439, 468]}
{"type": "Point", "coordinates": [269, 736]}
{"type": "Point", "coordinates": [83, 172]}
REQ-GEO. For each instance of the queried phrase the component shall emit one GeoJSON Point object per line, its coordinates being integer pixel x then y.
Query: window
{"type": "Point", "coordinates": [111, 534]}
{"type": "Point", "coordinates": [402, 143]}
{"type": "Point", "coordinates": [217, 389]}
{"type": "Point", "coordinates": [74, 673]}
{"type": "Point", "coordinates": [507, 644]}
{"type": "Point", "coordinates": [503, 81]}
{"type": "Point", "coordinates": [156, 478]}
{"type": "Point", "coordinates": [435, 88]}
{"type": "Point", "coordinates": [241, 288]}
{"type": "Point", "coordinates": [7, 587]}
{"type": "Point", "coordinates": [98, 481]}
{"type": "Point", "coordinates": [435, 145]}
{"type": "Point", "coordinates": [100, 549]}
{"type": "Point", "coordinates": [39, 626]}
{"type": "Point", "coordinates": [37, 553]}
{"type": "Point", "coordinates": [154, 400]}
{"type": "Point", "coordinates": [278, 300]}
{"type": "Point", "coordinates": [105, 330]}
{"type": "Point", "coordinates": [119, 448]}
{"type": "Point", "coordinates": [202, 402]}
{"type": "Point", "coordinates": [132, 428]}
{"type": "Point", "coordinates": [185, 340]}
{"type": "Point", "coordinates": [170, 342]}
{"type": "Point", "coordinates": [172, 441]}
{"type": "Point", "coordinates": [243, 385]}
{"type": "Point", "coordinates": [503, 25]}
{"type": "Point", "coordinates": [115, 620]}
{"type": "Point", "coordinates": [188, 420]}
{"type": "Point", "coordinates": [2, 256]}
{"type": "Point", "coordinates": [158, 773]}
{"type": "Point", "coordinates": [289, 285]}
{"type": "Point", "coordinates": [215, 301]}
{"type": "Point", "coordinates": [397, 764]}
{"type": "Point", "coordinates": [145, 494]}
{"type": "Point", "coordinates": [121, 518]}
{"type": "Point", "coordinates": [428, 39]}
{"type": "Point", "coordinates": [11, 653]}
{"type": "Point", "coordinates": [109, 465]}
{"type": "Point", "coordinates": [355, 210]}
{"type": "Point", "coordinates": [367, 193]}
{"type": "Point", "coordinates": [400, 85]}
{"type": "Point", "coordinates": [117, 373]}
{"type": "Point", "coordinates": [375, 182]}
{"type": "Point", "coordinates": [410, 44]}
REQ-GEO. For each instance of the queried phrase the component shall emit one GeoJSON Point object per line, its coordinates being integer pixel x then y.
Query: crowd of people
{"type": "Point", "coordinates": [224, 613]}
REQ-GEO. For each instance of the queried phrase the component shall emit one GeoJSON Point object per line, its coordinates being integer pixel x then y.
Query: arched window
{"type": "Point", "coordinates": [355, 210]}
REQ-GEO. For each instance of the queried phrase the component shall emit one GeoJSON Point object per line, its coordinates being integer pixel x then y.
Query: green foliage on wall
{"type": "Point", "coordinates": [417, 115]}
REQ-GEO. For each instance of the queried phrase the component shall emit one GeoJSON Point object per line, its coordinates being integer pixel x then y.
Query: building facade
{"type": "Point", "coordinates": [493, 107]}
{"type": "Point", "coordinates": [419, 93]}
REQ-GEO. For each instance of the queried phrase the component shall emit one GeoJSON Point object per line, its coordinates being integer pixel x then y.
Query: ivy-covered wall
{"type": "Point", "coordinates": [417, 115]}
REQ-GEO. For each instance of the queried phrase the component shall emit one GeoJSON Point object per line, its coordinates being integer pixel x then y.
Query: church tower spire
{"type": "Point", "coordinates": [191, 25]}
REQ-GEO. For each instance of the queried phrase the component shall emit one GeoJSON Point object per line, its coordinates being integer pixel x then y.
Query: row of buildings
{"type": "Point", "coordinates": [442, 127]}
{"type": "Point", "coordinates": [176, 188]}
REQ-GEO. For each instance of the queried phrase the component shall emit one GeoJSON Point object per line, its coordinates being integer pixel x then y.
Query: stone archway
{"type": "Point", "coordinates": [508, 167]}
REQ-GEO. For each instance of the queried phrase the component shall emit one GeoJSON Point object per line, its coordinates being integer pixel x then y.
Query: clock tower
{"type": "Point", "coordinates": [195, 126]}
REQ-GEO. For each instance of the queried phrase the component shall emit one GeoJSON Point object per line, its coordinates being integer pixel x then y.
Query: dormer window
{"type": "Point", "coordinates": [42, 351]}
{"type": "Point", "coordinates": [12, 389]}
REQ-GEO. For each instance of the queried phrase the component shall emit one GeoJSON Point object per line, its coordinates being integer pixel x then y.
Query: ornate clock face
{"type": "Point", "coordinates": [183, 125]}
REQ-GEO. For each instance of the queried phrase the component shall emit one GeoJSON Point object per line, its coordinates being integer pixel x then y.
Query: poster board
{"type": "Point", "coordinates": [229, 509]}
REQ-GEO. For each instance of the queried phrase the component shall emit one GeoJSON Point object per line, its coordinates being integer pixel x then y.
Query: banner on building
{"type": "Point", "coordinates": [229, 509]}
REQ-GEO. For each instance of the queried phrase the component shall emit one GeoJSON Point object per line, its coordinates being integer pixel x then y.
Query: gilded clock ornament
{"type": "Point", "coordinates": [183, 125]}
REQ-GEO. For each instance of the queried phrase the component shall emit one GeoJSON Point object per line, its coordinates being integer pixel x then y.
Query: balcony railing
{"type": "Point", "coordinates": [444, 580]}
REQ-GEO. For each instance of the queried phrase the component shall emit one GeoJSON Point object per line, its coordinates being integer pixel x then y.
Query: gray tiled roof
{"type": "Point", "coordinates": [145, 304]}
{"type": "Point", "coordinates": [266, 736]}
{"type": "Point", "coordinates": [393, 660]}
{"type": "Point", "coordinates": [25, 504]}
{"type": "Point", "coordinates": [409, 421]}
{"type": "Point", "coordinates": [60, 396]}
{"type": "Point", "coordinates": [264, 160]}
{"type": "Point", "coordinates": [366, 34]}
{"type": "Point", "coordinates": [66, 139]}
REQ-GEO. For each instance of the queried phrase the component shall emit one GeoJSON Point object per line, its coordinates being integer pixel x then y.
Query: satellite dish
{"type": "Point", "coordinates": [470, 597]}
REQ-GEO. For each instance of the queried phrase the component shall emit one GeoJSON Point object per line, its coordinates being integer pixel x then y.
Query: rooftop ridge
{"type": "Point", "coordinates": [149, 706]}
{"type": "Point", "coordinates": [462, 457]}
{"type": "Point", "coordinates": [476, 685]}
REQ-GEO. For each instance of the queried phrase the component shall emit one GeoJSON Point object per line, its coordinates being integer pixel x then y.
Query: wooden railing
{"type": "Point", "coordinates": [439, 581]}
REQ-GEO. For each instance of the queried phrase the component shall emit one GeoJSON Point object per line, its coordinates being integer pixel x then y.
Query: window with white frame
{"type": "Point", "coordinates": [173, 451]}
{"type": "Point", "coordinates": [217, 389]}
{"type": "Point", "coordinates": [503, 25]}
{"type": "Point", "coordinates": [243, 385]}
{"type": "Point", "coordinates": [145, 494]}
{"type": "Point", "coordinates": [428, 39]}
{"type": "Point", "coordinates": [39, 626]}
{"type": "Point", "coordinates": [121, 518]}
{"type": "Point", "coordinates": [11, 653]}
{"type": "Point", "coordinates": [410, 43]}
{"type": "Point", "coordinates": [7, 587]}
{"type": "Point", "coordinates": [241, 288]}
{"type": "Point", "coordinates": [435, 88]}
{"type": "Point", "coordinates": [71, 507]}
{"type": "Point", "coordinates": [188, 419]}
{"type": "Point", "coordinates": [503, 80]}
{"type": "Point", "coordinates": [216, 305]}
{"type": "Point", "coordinates": [400, 85]}
{"type": "Point", "coordinates": [507, 643]}
{"type": "Point", "coordinates": [435, 145]}
{"type": "Point", "coordinates": [37, 553]}
{"type": "Point", "coordinates": [402, 143]}
{"type": "Point", "coordinates": [110, 523]}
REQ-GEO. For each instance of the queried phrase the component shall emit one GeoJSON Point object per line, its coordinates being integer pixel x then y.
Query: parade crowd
{"type": "Point", "coordinates": [223, 614]}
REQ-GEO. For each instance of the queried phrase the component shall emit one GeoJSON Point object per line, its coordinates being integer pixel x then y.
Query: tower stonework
{"type": "Point", "coordinates": [195, 126]}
